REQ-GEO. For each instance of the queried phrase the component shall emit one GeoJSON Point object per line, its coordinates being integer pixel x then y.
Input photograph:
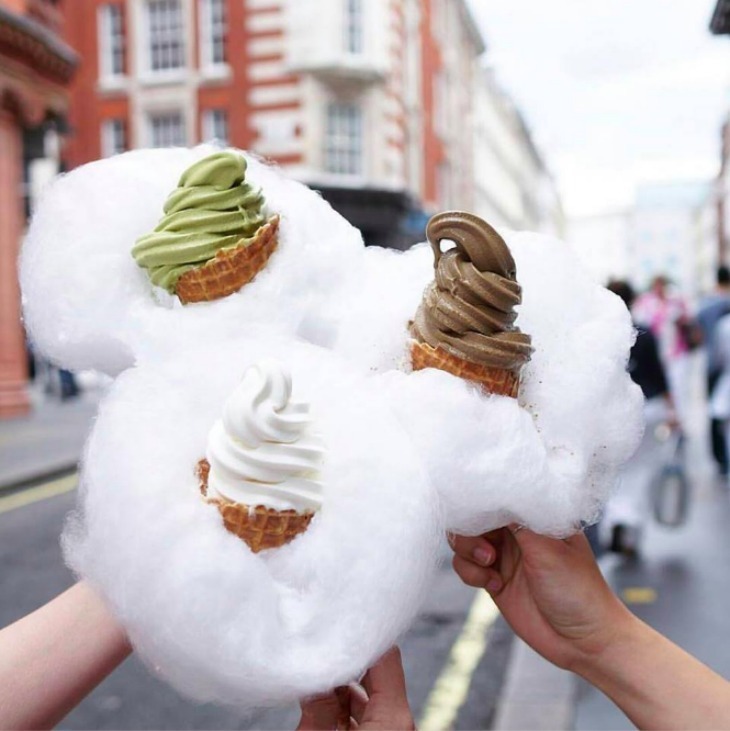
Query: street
{"type": "Point", "coordinates": [32, 572]}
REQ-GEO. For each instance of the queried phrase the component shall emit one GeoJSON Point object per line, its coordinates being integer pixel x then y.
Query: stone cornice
{"type": "Point", "coordinates": [25, 39]}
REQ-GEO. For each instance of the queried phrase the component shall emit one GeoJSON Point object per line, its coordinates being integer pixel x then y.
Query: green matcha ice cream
{"type": "Point", "coordinates": [212, 209]}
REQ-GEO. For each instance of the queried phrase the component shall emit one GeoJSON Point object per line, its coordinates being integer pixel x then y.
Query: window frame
{"type": "Point", "coordinates": [210, 125]}
{"type": "Point", "coordinates": [112, 45]}
{"type": "Point", "coordinates": [344, 142]}
{"type": "Point", "coordinates": [112, 130]}
{"type": "Point", "coordinates": [166, 114]}
{"type": "Point", "coordinates": [213, 34]}
{"type": "Point", "coordinates": [354, 27]}
{"type": "Point", "coordinates": [164, 43]}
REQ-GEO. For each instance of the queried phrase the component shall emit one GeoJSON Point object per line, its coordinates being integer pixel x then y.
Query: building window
{"type": "Point", "coordinates": [343, 142]}
{"type": "Point", "coordinates": [167, 130]}
{"type": "Point", "coordinates": [212, 32]}
{"type": "Point", "coordinates": [111, 40]}
{"type": "Point", "coordinates": [113, 137]}
{"type": "Point", "coordinates": [353, 26]}
{"type": "Point", "coordinates": [166, 35]}
{"type": "Point", "coordinates": [215, 125]}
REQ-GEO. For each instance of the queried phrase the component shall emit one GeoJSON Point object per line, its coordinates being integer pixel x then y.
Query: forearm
{"type": "Point", "coordinates": [656, 684]}
{"type": "Point", "coordinates": [55, 656]}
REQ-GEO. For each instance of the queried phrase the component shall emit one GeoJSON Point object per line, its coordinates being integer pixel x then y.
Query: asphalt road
{"type": "Point", "coordinates": [32, 572]}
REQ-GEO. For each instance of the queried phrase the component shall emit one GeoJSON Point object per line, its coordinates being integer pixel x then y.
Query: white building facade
{"type": "Point", "coordinates": [673, 235]}
{"type": "Point", "coordinates": [671, 230]}
{"type": "Point", "coordinates": [512, 185]}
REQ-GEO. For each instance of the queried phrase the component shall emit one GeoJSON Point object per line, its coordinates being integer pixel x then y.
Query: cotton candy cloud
{"type": "Point", "coordinates": [407, 455]}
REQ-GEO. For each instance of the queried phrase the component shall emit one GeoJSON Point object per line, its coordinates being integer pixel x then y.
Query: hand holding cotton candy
{"type": "Point", "coordinates": [262, 460]}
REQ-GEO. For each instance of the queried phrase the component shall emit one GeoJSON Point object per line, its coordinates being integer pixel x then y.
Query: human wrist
{"type": "Point", "coordinates": [611, 644]}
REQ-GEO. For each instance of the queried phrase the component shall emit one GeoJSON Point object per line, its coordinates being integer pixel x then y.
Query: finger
{"type": "Point", "coordinates": [385, 684]}
{"type": "Point", "coordinates": [473, 548]}
{"type": "Point", "coordinates": [321, 712]}
{"type": "Point", "coordinates": [533, 542]}
{"type": "Point", "coordinates": [358, 701]}
{"type": "Point", "coordinates": [342, 693]}
{"type": "Point", "coordinates": [480, 578]}
{"type": "Point", "coordinates": [386, 676]}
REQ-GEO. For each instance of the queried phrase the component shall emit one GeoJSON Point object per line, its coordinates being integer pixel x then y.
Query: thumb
{"type": "Point", "coordinates": [385, 685]}
{"type": "Point", "coordinates": [325, 712]}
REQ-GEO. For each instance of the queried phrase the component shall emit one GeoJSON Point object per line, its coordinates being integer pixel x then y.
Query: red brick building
{"type": "Point", "coordinates": [367, 101]}
{"type": "Point", "coordinates": [156, 74]}
{"type": "Point", "coordinates": [36, 66]}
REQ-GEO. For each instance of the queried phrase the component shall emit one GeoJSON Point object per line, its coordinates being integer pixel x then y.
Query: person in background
{"type": "Point", "coordinates": [667, 316]}
{"type": "Point", "coordinates": [720, 398]}
{"type": "Point", "coordinates": [69, 387]}
{"type": "Point", "coordinates": [628, 509]}
{"type": "Point", "coordinates": [711, 310]}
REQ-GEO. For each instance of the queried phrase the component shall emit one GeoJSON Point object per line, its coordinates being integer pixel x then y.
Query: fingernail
{"type": "Point", "coordinates": [482, 556]}
{"type": "Point", "coordinates": [494, 586]}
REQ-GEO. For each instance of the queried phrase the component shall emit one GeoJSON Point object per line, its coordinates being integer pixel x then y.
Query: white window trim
{"type": "Point", "coordinates": [149, 126]}
{"type": "Point", "coordinates": [108, 78]}
{"type": "Point", "coordinates": [208, 126]}
{"type": "Point", "coordinates": [108, 146]}
{"type": "Point", "coordinates": [344, 151]}
{"type": "Point", "coordinates": [147, 74]}
{"type": "Point", "coordinates": [209, 68]}
{"type": "Point", "coordinates": [354, 27]}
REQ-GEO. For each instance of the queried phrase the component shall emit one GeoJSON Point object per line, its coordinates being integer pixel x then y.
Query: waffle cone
{"type": "Point", "coordinates": [230, 269]}
{"type": "Point", "coordinates": [260, 527]}
{"type": "Point", "coordinates": [492, 380]}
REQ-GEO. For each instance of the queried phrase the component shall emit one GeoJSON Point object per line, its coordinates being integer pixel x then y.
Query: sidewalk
{"type": "Point", "coordinates": [48, 441]}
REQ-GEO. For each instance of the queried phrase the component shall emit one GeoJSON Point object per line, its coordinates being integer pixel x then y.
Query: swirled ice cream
{"type": "Point", "coordinates": [213, 209]}
{"type": "Point", "coordinates": [468, 311]}
{"type": "Point", "coordinates": [263, 450]}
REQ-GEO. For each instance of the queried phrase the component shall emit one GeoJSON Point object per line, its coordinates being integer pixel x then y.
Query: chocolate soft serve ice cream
{"type": "Point", "coordinates": [466, 321]}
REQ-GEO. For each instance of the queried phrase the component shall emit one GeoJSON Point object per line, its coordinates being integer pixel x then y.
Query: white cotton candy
{"type": "Point", "coordinates": [408, 455]}
{"type": "Point", "coordinates": [88, 304]}
{"type": "Point", "coordinates": [217, 621]}
{"type": "Point", "coordinates": [549, 460]}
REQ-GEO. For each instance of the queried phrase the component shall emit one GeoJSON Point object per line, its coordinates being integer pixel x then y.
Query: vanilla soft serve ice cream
{"type": "Point", "coordinates": [263, 450]}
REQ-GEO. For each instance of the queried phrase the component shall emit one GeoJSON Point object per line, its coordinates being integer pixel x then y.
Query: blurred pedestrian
{"type": "Point", "coordinates": [628, 510]}
{"type": "Point", "coordinates": [720, 399]}
{"type": "Point", "coordinates": [711, 310]}
{"type": "Point", "coordinates": [667, 315]}
{"type": "Point", "coordinates": [69, 386]}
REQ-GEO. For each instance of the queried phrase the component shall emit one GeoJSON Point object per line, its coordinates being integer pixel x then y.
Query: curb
{"type": "Point", "coordinates": [24, 479]}
{"type": "Point", "coordinates": [536, 694]}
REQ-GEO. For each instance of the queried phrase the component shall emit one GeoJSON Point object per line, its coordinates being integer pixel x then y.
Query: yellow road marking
{"type": "Point", "coordinates": [41, 492]}
{"type": "Point", "coordinates": [451, 688]}
{"type": "Point", "coordinates": [639, 595]}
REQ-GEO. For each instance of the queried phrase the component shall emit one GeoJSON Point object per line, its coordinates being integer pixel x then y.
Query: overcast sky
{"type": "Point", "coordinates": [615, 91]}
